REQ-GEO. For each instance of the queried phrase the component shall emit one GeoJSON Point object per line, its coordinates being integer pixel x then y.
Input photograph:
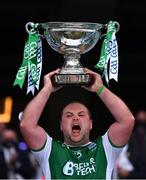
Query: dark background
{"type": "Point", "coordinates": [131, 38]}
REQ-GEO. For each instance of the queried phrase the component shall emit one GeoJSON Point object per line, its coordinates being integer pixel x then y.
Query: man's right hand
{"type": "Point", "coordinates": [48, 81]}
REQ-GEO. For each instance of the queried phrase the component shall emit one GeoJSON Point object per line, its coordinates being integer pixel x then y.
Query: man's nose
{"type": "Point", "coordinates": [75, 117]}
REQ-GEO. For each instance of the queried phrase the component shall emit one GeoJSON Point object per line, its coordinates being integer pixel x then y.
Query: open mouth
{"type": "Point", "coordinates": [76, 129]}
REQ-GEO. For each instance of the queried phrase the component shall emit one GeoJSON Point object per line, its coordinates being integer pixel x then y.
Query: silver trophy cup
{"type": "Point", "coordinates": [72, 39]}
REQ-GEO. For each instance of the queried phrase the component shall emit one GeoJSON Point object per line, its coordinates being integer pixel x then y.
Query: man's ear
{"type": "Point", "coordinates": [91, 124]}
{"type": "Point", "coordinates": [61, 125]}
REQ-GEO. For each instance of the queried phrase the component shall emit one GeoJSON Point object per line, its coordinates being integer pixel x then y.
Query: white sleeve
{"type": "Point", "coordinates": [42, 156]}
{"type": "Point", "coordinates": [123, 161]}
{"type": "Point", "coordinates": [112, 152]}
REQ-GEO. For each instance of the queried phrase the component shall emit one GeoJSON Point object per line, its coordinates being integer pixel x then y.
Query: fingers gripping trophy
{"type": "Point", "coordinates": [71, 39]}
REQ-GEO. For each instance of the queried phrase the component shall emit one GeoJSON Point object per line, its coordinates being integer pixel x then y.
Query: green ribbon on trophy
{"type": "Point", "coordinates": [109, 54]}
{"type": "Point", "coordinates": [32, 62]}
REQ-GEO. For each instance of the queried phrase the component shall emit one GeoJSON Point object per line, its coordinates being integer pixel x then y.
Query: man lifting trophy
{"type": "Point", "coordinates": [70, 39]}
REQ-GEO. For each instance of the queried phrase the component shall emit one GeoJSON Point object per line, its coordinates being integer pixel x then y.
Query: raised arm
{"type": "Point", "coordinates": [33, 134]}
{"type": "Point", "coordinates": [120, 131]}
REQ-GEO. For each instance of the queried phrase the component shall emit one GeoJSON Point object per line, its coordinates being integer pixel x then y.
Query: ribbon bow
{"type": "Point", "coordinates": [109, 54]}
{"type": "Point", "coordinates": [32, 62]}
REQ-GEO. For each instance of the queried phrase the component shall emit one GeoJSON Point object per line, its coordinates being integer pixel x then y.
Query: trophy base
{"type": "Point", "coordinates": [72, 79]}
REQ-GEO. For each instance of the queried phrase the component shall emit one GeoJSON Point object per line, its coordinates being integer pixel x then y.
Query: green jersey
{"type": "Point", "coordinates": [94, 160]}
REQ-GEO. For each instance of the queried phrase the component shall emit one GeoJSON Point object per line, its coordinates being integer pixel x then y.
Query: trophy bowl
{"type": "Point", "coordinates": [72, 39]}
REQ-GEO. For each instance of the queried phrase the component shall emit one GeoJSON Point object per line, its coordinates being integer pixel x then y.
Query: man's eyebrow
{"type": "Point", "coordinates": [68, 112]}
{"type": "Point", "coordinates": [82, 112]}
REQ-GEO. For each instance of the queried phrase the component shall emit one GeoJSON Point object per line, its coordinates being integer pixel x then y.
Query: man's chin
{"type": "Point", "coordinates": [76, 140]}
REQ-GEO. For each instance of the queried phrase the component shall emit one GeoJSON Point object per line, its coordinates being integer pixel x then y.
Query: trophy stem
{"type": "Point", "coordinates": [72, 57]}
{"type": "Point", "coordinates": [72, 63]}
{"type": "Point", "coordinates": [72, 72]}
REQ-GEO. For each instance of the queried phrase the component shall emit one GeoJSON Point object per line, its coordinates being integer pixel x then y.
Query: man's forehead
{"type": "Point", "coordinates": [75, 106]}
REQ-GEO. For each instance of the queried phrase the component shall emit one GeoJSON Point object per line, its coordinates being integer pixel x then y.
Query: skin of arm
{"type": "Point", "coordinates": [33, 134]}
{"type": "Point", "coordinates": [120, 131]}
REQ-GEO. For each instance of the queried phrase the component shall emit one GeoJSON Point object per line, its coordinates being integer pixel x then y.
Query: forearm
{"type": "Point", "coordinates": [35, 108]}
{"type": "Point", "coordinates": [115, 105]}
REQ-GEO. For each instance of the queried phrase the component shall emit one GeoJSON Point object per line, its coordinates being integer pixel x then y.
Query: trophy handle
{"type": "Point", "coordinates": [117, 29]}
{"type": "Point", "coordinates": [31, 27]}
{"type": "Point", "coordinates": [118, 26]}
